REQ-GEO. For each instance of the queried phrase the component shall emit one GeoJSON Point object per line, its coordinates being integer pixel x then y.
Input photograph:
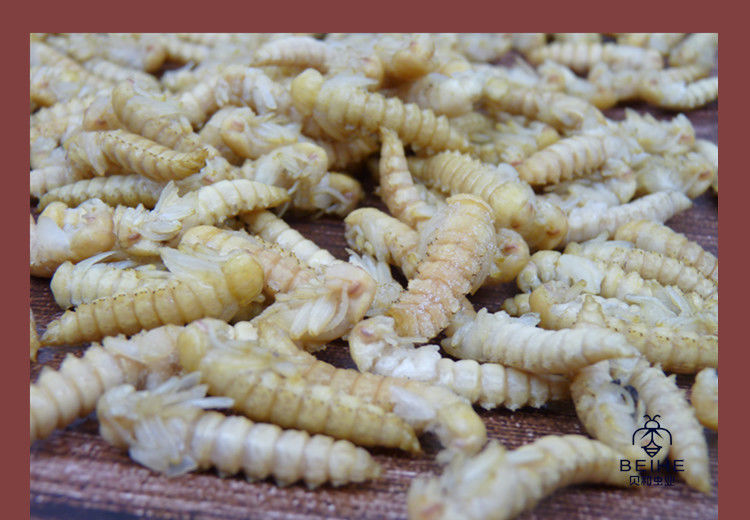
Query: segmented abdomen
{"type": "Point", "coordinates": [48, 178]}
{"type": "Point", "coordinates": [275, 230]}
{"type": "Point", "coordinates": [501, 339]}
{"type": "Point", "coordinates": [137, 154]}
{"type": "Point", "coordinates": [233, 444]}
{"type": "Point", "coordinates": [656, 266]}
{"type": "Point", "coordinates": [215, 202]}
{"type": "Point", "coordinates": [74, 284]}
{"type": "Point", "coordinates": [60, 396]}
{"type": "Point", "coordinates": [396, 185]}
{"type": "Point", "coordinates": [588, 222]}
{"type": "Point", "coordinates": [571, 157]}
{"type": "Point", "coordinates": [179, 302]}
{"type": "Point", "coordinates": [458, 258]}
{"type": "Point", "coordinates": [115, 190]}
{"type": "Point", "coordinates": [656, 237]}
{"type": "Point", "coordinates": [294, 52]}
{"type": "Point", "coordinates": [581, 56]}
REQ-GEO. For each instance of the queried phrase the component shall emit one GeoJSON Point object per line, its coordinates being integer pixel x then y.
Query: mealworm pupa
{"type": "Point", "coordinates": [115, 190]}
{"type": "Point", "coordinates": [580, 56]}
{"type": "Point", "coordinates": [512, 141]}
{"type": "Point", "coordinates": [662, 336]}
{"type": "Point", "coordinates": [710, 152]}
{"type": "Point", "coordinates": [300, 168]}
{"type": "Point", "coordinates": [168, 430]}
{"type": "Point", "coordinates": [517, 305]}
{"type": "Point", "coordinates": [100, 114]}
{"type": "Point", "coordinates": [295, 52]}
{"type": "Point", "coordinates": [325, 100]}
{"type": "Point", "coordinates": [266, 389]}
{"type": "Point", "coordinates": [592, 219]}
{"type": "Point", "coordinates": [606, 279]}
{"type": "Point", "coordinates": [62, 81]}
{"type": "Point", "coordinates": [458, 256]}
{"type": "Point", "coordinates": [375, 346]}
{"type": "Point", "coordinates": [396, 185]}
{"type": "Point", "coordinates": [216, 202]}
{"type": "Point", "coordinates": [184, 51]}
{"type": "Point", "coordinates": [405, 57]}
{"type": "Point", "coordinates": [653, 236]}
{"type": "Point", "coordinates": [680, 95]}
{"type": "Point", "coordinates": [497, 484]}
{"type": "Point", "coordinates": [198, 289]}
{"type": "Point", "coordinates": [664, 398]}
{"type": "Point", "coordinates": [326, 56]}
{"type": "Point", "coordinates": [90, 279]}
{"type": "Point", "coordinates": [649, 264]}
{"type": "Point", "coordinates": [704, 397]}
{"type": "Point", "coordinates": [567, 158]}
{"type": "Point", "coordinates": [60, 396]}
{"type": "Point", "coordinates": [337, 194]}
{"type": "Point", "coordinates": [115, 151]}
{"type": "Point", "coordinates": [45, 152]}
{"type": "Point", "coordinates": [372, 232]}
{"type": "Point", "coordinates": [516, 343]}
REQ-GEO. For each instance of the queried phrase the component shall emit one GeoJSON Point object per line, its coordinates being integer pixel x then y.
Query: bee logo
{"type": "Point", "coordinates": [652, 428]}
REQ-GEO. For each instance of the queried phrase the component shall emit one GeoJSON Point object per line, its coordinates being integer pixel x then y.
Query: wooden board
{"type": "Point", "coordinates": [75, 474]}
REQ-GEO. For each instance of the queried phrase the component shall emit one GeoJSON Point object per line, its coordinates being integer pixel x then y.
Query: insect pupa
{"type": "Point", "coordinates": [498, 484]}
{"type": "Point", "coordinates": [168, 430]}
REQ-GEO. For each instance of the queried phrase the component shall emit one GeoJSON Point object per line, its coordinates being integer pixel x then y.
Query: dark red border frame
{"type": "Point", "coordinates": [318, 16]}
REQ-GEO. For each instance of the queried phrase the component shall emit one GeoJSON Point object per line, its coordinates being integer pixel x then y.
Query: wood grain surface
{"type": "Point", "coordinates": [75, 474]}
